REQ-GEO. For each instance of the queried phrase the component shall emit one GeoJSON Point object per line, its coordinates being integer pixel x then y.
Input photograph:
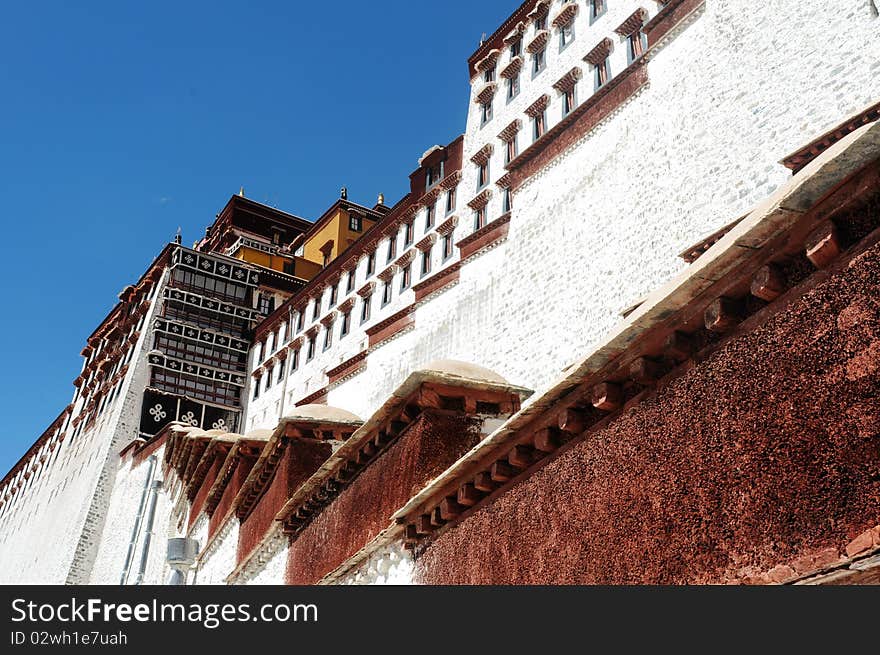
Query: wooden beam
{"type": "Point", "coordinates": [449, 508]}
{"type": "Point", "coordinates": [823, 245]}
{"type": "Point", "coordinates": [679, 346]}
{"type": "Point", "coordinates": [572, 421]}
{"type": "Point", "coordinates": [501, 471]}
{"type": "Point", "coordinates": [436, 519]}
{"type": "Point", "coordinates": [645, 371]}
{"type": "Point", "coordinates": [468, 495]}
{"type": "Point", "coordinates": [430, 398]}
{"type": "Point", "coordinates": [545, 440]}
{"type": "Point", "coordinates": [521, 457]}
{"type": "Point", "coordinates": [483, 482]}
{"type": "Point", "coordinates": [606, 396]}
{"type": "Point", "coordinates": [721, 314]}
{"type": "Point", "coordinates": [768, 283]}
{"type": "Point", "coordinates": [423, 524]}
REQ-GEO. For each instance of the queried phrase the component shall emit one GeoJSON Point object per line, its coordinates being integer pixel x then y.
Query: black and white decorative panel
{"type": "Point", "coordinates": [160, 409]}
{"type": "Point", "coordinates": [214, 266]}
{"type": "Point", "coordinates": [225, 308]}
{"type": "Point", "coordinates": [161, 360]}
{"type": "Point", "coordinates": [219, 419]}
{"type": "Point", "coordinates": [198, 334]}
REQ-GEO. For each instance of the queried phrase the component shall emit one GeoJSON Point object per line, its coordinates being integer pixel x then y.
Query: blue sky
{"type": "Point", "coordinates": [121, 121]}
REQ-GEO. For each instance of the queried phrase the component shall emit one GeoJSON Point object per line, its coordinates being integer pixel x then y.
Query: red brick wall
{"type": "Point", "coordinates": [300, 460]}
{"type": "Point", "coordinates": [243, 466]}
{"type": "Point", "coordinates": [365, 507]}
{"type": "Point", "coordinates": [766, 452]}
{"type": "Point", "coordinates": [202, 494]}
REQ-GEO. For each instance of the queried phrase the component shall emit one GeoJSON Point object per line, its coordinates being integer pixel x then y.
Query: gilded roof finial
{"type": "Point", "coordinates": [381, 198]}
{"type": "Point", "coordinates": [344, 193]}
{"type": "Point", "coordinates": [241, 192]}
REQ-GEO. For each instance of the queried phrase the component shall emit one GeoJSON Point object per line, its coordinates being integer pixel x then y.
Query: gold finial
{"type": "Point", "coordinates": [381, 198]}
{"type": "Point", "coordinates": [241, 192]}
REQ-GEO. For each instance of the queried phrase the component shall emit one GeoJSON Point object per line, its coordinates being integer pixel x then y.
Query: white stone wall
{"type": "Point", "coordinates": [270, 564]}
{"type": "Point", "coordinates": [728, 97]}
{"type": "Point", "coordinates": [66, 505]}
{"type": "Point", "coordinates": [587, 35]}
{"type": "Point", "coordinates": [217, 559]}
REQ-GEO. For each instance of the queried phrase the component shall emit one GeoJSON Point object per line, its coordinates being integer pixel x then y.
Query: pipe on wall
{"type": "Point", "coordinates": [138, 521]}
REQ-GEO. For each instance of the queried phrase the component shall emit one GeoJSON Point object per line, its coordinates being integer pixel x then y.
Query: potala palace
{"type": "Point", "coordinates": [624, 329]}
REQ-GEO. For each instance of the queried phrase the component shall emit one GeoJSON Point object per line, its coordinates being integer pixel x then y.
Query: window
{"type": "Point", "coordinates": [566, 35]}
{"type": "Point", "coordinates": [281, 371]}
{"type": "Point", "coordinates": [346, 324]}
{"type": "Point", "coordinates": [450, 200]}
{"type": "Point", "coordinates": [365, 308]}
{"type": "Point", "coordinates": [539, 61]}
{"type": "Point", "coordinates": [261, 352]}
{"type": "Point", "coordinates": [636, 45]}
{"type": "Point", "coordinates": [405, 277]}
{"type": "Point", "coordinates": [426, 262]}
{"type": "Point", "coordinates": [294, 361]}
{"type": "Point", "coordinates": [568, 101]}
{"type": "Point", "coordinates": [269, 376]}
{"type": "Point", "coordinates": [386, 293]}
{"type": "Point", "coordinates": [447, 246]}
{"type": "Point", "coordinates": [489, 74]}
{"type": "Point", "coordinates": [510, 151]}
{"type": "Point", "coordinates": [310, 352]}
{"type": "Point", "coordinates": [479, 218]}
{"type": "Point", "coordinates": [515, 48]}
{"type": "Point", "coordinates": [597, 8]}
{"type": "Point", "coordinates": [539, 126]}
{"type": "Point", "coordinates": [506, 199]}
{"type": "Point", "coordinates": [408, 234]}
{"type": "Point", "coordinates": [326, 257]}
{"type": "Point", "coordinates": [371, 263]}
{"type": "Point", "coordinates": [541, 23]}
{"type": "Point", "coordinates": [482, 174]}
{"type": "Point", "coordinates": [602, 73]}
{"type": "Point", "coordinates": [433, 174]}
{"type": "Point", "coordinates": [429, 217]}
{"type": "Point", "coordinates": [349, 282]}
{"type": "Point", "coordinates": [328, 336]}
{"type": "Point", "coordinates": [300, 317]}
{"type": "Point", "coordinates": [486, 112]}
{"type": "Point", "coordinates": [392, 248]}
{"type": "Point", "coordinates": [256, 388]}
{"type": "Point", "coordinates": [316, 308]}
{"type": "Point", "coordinates": [266, 304]}
{"type": "Point", "coordinates": [355, 223]}
{"type": "Point", "coordinates": [333, 293]}
{"type": "Point", "coordinates": [512, 87]}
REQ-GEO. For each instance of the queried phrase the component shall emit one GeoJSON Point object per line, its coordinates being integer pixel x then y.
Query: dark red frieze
{"type": "Point", "coordinates": [391, 326]}
{"type": "Point", "coordinates": [635, 22]}
{"type": "Point", "coordinates": [318, 397]}
{"type": "Point", "coordinates": [669, 17]}
{"type": "Point", "coordinates": [485, 237]}
{"type": "Point", "coordinates": [445, 278]}
{"type": "Point", "coordinates": [347, 368]}
{"type": "Point", "coordinates": [579, 122]}
{"type": "Point", "coordinates": [800, 158]}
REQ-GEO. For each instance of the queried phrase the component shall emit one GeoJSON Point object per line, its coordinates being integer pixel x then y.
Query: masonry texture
{"type": "Point", "coordinates": [767, 451]}
{"type": "Point", "coordinates": [424, 451]}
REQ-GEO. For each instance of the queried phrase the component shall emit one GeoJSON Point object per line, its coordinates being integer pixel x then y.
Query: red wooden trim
{"type": "Point", "coordinates": [486, 236]}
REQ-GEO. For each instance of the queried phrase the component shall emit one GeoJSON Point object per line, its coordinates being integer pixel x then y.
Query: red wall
{"type": "Point", "coordinates": [202, 493]}
{"type": "Point", "coordinates": [300, 460]}
{"type": "Point", "coordinates": [365, 507]}
{"type": "Point", "coordinates": [243, 466]}
{"type": "Point", "coordinates": [767, 451]}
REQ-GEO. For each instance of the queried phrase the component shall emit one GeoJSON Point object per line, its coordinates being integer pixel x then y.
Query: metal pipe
{"type": "Point", "coordinates": [148, 535]}
{"type": "Point", "coordinates": [137, 524]}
